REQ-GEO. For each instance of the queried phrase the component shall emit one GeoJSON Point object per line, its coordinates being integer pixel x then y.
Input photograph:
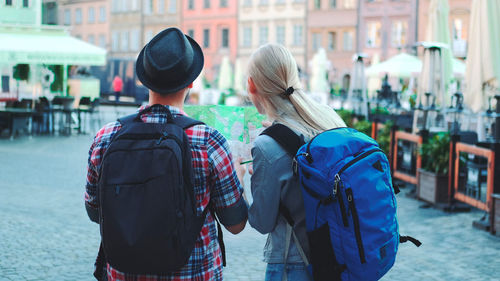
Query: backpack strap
{"type": "Point", "coordinates": [185, 122]}
{"type": "Point", "coordinates": [128, 119]}
{"type": "Point", "coordinates": [403, 239]}
{"type": "Point", "coordinates": [287, 138]}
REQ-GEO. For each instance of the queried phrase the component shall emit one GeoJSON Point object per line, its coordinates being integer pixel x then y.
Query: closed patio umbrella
{"type": "Point", "coordinates": [483, 55]}
{"type": "Point", "coordinates": [437, 68]}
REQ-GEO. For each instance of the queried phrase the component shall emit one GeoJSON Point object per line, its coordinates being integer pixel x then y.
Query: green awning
{"type": "Point", "coordinates": [47, 47]}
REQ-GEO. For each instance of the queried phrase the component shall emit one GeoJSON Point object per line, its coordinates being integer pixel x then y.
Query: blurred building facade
{"type": "Point", "coordinates": [332, 26]}
{"type": "Point", "coordinates": [279, 21]}
{"type": "Point", "coordinates": [388, 27]}
{"type": "Point", "coordinates": [213, 24]}
{"type": "Point", "coordinates": [88, 19]}
{"type": "Point", "coordinates": [379, 28]}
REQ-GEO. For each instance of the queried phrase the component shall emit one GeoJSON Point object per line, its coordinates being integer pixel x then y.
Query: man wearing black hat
{"type": "Point", "coordinates": [167, 66]}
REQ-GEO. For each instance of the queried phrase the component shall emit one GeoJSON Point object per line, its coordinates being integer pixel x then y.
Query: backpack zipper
{"type": "Point", "coordinates": [161, 137]}
{"type": "Point", "coordinates": [350, 163]}
{"type": "Point", "coordinates": [355, 219]}
{"type": "Point", "coordinates": [341, 200]}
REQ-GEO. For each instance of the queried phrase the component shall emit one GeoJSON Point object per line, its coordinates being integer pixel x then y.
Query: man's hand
{"type": "Point", "coordinates": [235, 229]}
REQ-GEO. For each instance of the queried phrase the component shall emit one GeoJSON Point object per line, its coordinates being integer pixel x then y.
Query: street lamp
{"type": "Point", "coordinates": [491, 121]}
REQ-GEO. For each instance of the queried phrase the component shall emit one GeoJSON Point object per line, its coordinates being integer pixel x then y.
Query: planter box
{"type": "Point", "coordinates": [496, 214]}
{"type": "Point", "coordinates": [431, 187]}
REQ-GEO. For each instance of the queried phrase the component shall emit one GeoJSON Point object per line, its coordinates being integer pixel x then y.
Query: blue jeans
{"type": "Point", "coordinates": [294, 271]}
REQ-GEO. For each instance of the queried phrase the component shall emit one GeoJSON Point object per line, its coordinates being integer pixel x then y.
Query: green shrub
{"type": "Point", "coordinates": [21, 72]}
{"type": "Point", "coordinates": [364, 127]}
{"type": "Point", "coordinates": [384, 137]}
{"type": "Point", "coordinates": [435, 153]}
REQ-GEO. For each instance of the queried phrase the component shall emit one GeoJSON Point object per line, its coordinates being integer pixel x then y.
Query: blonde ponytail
{"type": "Point", "coordinates": [273, 71]}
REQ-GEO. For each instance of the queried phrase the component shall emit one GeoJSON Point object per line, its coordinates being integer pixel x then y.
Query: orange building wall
{"type": "Point", "coordinates": [215, 19]}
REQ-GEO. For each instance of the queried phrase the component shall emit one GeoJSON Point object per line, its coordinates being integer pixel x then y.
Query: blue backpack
{"type": "Point", "coordinates": [349, 202]}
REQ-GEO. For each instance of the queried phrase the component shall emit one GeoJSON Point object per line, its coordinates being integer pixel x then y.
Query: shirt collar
{"type": "Point", "coordinates": [158, 111]}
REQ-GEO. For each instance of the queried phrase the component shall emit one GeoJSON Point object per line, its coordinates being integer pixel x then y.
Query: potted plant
{"type": "Point", "coordinates": [433, 176]}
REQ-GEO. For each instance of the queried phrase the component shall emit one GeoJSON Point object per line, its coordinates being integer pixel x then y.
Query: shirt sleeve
{"type": "Point", "coordinates": [96, 152]}
{"type": "Point", "coordinates": [266, 191]}
{"type": "Point", "coordinates": [226, 190]}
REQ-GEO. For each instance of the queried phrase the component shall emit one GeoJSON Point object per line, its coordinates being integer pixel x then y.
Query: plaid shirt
{"type": "Point", "coordinates": [215, 181]}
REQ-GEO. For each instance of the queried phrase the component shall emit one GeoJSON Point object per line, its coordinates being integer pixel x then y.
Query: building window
{"type": "Point", "coordinates": [172, 7]}
{"type": "Point", "coordinates": [263, 2]}
{"type": "Point", "coordinates": [263, 35]}
{"type": "Point", "coordinates": [124, 6]}
{"type": "Point", "coordinates": [206, 38]}
{"type": "Point", "coordinates": [102, 14]}
{"type": "Point", "coordinates": [223, 3]}
{"type": "Point", "coordinates": [124, 41]}
{"type": "Point", "coordinates": [373, 36]}
{"type": "Point", "coordinates": [225, 38]}
{"type": "Point", "coordinates": [190, 4]}
{"type": "Point", "coordinates": [349, 4]}
{"type": "Point", "coordinates": [148, 37]}
{"type": "Point", "coordinates": [67, 17]}
{"type": "Point", "coordinates": [134, 40]}
{"type": "Point", "coordinates": [8, 2]}
{"type": "Point", "coordinates": [206, 4]}
{"type": "Point", "coordinates": [280, 1]}
{"type": "Point", "coordinates": [102, 41]}
{"type": "Point", "coordinates": [5, 84]}
{"type": "Point", "coordinates": [316, 41]}
{"type": "Point", "coordinates": [317, 4]}
{"type": "Point", "coordinates": [333, 4]}
{"type": "Point", "coordinates": [161, 6]}
{"type": "Point", "coordinates": [91, 15]}
{"type": "Point", "coordinates": [280, 34]}
{"type": "Point", "coordinates": [148, 7]}
{"type": "Point", "coordinates": [78, 16]}
{"type": "Point", "coordinates": [26, 3]}
{"type": "Point", "coordinates": [91, 39]}
{"type": "Point", "coordinates": [332, 41]}
{"type": "Point", "coordinates": [348, 41]}
{"type": "Point", "coordinates": [399, 29]}
{"type": "Point", "coordinates": [134, 6]}
{"type": "Point", "coordinates": [114, 6]}
{"type": "Point", "coordinates": [247, 3]}
{"type": "Point", "coordinates": [297, 35]}
{"type": "Point", "coordinates": [115, 41]}
{"type": "Point", "coordinates": [191, 33]}
{"type": "Point", "coordinates": [247, 36]}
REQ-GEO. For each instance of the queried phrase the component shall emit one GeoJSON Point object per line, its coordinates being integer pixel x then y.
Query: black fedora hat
{"type": "Point", "coordinates": [169, 62]}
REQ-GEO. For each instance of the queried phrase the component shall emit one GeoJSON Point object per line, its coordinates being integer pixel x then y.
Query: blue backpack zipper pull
{"type": "Point", "coordinates": [163, 137]}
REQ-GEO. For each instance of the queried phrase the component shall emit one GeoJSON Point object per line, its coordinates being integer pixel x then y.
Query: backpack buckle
{"type": "Point", "coordinates": [295, 166]}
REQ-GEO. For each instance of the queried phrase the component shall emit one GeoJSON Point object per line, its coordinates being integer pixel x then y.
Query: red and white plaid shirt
{"type": "Point", "coordinates": [215, 180]}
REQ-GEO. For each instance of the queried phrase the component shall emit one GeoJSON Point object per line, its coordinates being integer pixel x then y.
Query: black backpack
{"type": "Point", "coordinates": [148, 218]}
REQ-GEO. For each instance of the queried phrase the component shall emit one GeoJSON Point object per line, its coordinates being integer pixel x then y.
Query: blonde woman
{"type": "Point", "coordinates": [275, 90]}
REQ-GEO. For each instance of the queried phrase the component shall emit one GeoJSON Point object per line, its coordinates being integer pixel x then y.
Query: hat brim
{"type": "Point", "coordinates": [193, 72]}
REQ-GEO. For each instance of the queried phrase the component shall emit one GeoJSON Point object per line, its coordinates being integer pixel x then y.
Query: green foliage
{"type": "Point", "coordinates": [363, 126]}
{"type": "Point", "coordinates": [380, 110]}
{"type": "Point", "coordinates": [435, 153]}
{"type": "Point", "coordinates": [21, 72]}
{"type": "Point", "coordinates": [346, 115]}
{"type": "Point", "coordinates": [57, 85]}
{"type": "Point", "coordinates": [384, 137]}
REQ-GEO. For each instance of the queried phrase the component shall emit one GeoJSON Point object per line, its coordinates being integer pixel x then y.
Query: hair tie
{"type": "Point", "coordinates": [289, 91]}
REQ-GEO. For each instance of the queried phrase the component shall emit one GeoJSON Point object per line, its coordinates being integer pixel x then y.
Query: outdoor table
{"type": "Point", "coordinates": [16, 118]}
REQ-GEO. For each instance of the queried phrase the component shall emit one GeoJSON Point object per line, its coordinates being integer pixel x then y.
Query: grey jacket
{"type": "Point", "coordinates": [272, 181]}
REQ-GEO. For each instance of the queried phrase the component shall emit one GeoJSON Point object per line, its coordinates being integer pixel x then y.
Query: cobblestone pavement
{"type": "Point", "coordinates": [45, 233]}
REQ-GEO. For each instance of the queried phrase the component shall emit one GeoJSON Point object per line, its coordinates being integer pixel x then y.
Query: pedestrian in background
{"type": "Point", "coordinates": [215, 181]}
{"type": "Point", "coordinates": [117, 85]}
{"type": "Point", "coordinates": [275, 90]}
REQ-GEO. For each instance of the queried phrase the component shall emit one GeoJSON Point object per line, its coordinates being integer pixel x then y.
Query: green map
{"type": "Point", "coordinates": [239, 125]}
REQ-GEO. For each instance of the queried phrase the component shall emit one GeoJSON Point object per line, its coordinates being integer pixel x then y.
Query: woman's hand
{"type": "Point", "coordinates": [240, 169]}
